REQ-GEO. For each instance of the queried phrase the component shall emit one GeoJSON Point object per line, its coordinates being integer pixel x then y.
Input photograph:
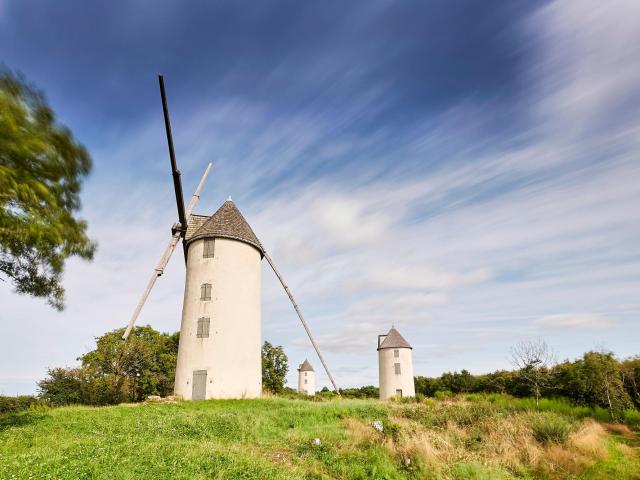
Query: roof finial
{"type": "Point", "coordinates": [229, 199]}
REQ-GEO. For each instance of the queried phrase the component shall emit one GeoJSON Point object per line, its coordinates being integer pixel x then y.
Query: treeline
{"type": "Point", "coordinates": [596, 379]}
{"type": "Point", "coordinates": [116, 372]}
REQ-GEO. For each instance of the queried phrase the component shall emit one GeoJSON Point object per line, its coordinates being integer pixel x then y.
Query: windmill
{"type": "Point", "coordinates": [395, 366]}
{"type": "Point", "coordinates": [219, 355]}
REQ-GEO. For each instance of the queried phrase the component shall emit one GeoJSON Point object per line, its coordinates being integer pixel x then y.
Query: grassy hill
{"type": "Point", "coordinates": [274, 438]}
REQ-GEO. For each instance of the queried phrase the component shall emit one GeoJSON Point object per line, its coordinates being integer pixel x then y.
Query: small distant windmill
{"type": "Point", "coordinates": [220, 334]}
{"type": "Point", "coordinates": [306, 378]}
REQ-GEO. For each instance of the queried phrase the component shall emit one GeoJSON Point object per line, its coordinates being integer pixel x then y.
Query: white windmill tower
{"type": "Point", "coordinates": [219, 355]}
{"type": "Point", "coordinates": [306, 378]}
{"type": "Point", "coordinates": [395, 366]}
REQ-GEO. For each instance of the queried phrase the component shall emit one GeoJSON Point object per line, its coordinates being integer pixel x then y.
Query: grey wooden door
{"type": "Point", "coordinates": [199, 390]}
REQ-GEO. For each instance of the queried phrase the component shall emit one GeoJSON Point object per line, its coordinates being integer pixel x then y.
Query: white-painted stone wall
{"type": "Point", "coordinates": [389, 381]}
{"type": "Point", "coordinates": [231, 354]}
{"type": "Point", "coordinates": [307, 382]}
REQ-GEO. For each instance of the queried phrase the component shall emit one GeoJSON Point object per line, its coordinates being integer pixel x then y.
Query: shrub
{"type": "Point", "coordinates": [442, 394]}
{"type": "Point", "coordinates": [632, 417]}
{"type": "Point", "coordinates": [17, 404]}
{"type": "Point", "coordinates": [550, 428]}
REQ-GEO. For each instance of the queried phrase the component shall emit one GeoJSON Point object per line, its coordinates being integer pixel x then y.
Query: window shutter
{"type": "Point", "coordinates": [206, 321]}
{"type": "Point", "coordinates": [203, 327]}
{"type": "Point", "coordinates": [396, 353]}
{"type": "Point", "coordinates": [397, 368]}
{"type": "Point", "coordinates": [205, 291]}
{"type": "Point", "coordinates": [209, 246]}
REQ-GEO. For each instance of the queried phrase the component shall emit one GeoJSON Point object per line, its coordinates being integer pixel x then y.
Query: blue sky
{"type": "Point", "coordinates": [468, 171]}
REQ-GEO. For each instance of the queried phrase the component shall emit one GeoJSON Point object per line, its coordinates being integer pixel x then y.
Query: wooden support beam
{"type": "Point", "coordinates": [304, 322]}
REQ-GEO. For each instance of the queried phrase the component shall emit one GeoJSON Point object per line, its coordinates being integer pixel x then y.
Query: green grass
{"type": "Point", "coordinates": [617, 465]}
{"type": "Point", "coordinates": [556, 405]}
{"type": "Point", "coordinates": [273, 438]}
{"type": "Point", "coordinates": [550, 427]}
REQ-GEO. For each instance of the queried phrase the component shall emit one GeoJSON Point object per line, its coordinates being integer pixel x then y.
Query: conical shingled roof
{"type": "Point", "coordinates": [305, 366]}
{"type": "Point", "coordinates": [227, 222]}
{"type": "Point", "coordinates": [394, 340]}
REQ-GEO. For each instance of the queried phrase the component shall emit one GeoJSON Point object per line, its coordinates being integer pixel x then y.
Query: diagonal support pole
{"type": "Point", "coordinates": [159, 270]}
{"type": "Point", "coordinates": [304, 322]}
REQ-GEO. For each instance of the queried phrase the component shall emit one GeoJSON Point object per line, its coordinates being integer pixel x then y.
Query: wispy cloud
{"type": "Point", "coordinates": [574, 320]}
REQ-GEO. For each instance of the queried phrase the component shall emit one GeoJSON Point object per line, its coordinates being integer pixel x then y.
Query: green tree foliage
{"type": "Point", "coordinates": [65, 386]}
{"type": "Point", "coordinates": [368, 391]}
{"type": "Point", "coordinates": [274, 368]}
{"type": "Point", "coordinates": [631, 378]}
{"type": "Point", "coordinates": [41, 170]}
{"type": "Point", "coordinates": [597, 379]}
{"type": "Point", "coordinates": [117, 371]}
{"type": "Point", "coordinates": [604, 381]}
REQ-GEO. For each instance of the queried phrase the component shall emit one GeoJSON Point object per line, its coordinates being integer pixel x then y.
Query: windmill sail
{"type": "Point", "coordinates": [159, 270]}
{"type": "Point", "coordinates": [177, 183]}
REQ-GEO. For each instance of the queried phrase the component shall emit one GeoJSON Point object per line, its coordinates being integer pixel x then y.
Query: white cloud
{"type": "Point", "coordinates": [573, 320]}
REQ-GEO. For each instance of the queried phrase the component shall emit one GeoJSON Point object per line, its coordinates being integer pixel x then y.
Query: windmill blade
{"type": "Point", "coordinates": [177, 183]}
{"type": "Point", "coordinates": [159, 270]}
{"type": "Point", "coordinates": [304, 322]}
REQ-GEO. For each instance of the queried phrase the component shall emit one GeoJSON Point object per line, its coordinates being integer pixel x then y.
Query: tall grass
{"type": "Point", "coordinates": [556, 405]}
{"type": "Point", "coordinates": [549, 427]}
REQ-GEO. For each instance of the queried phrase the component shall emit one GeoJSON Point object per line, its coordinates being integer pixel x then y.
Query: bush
{"type": "Point", "coordinates": [17, 404]}
{"type": "Point", "coordinates": [550, 428]}
{"type": "Point", "coordinates": [632, 417]}
{"type": "Point", "coordinates": [442, 394]}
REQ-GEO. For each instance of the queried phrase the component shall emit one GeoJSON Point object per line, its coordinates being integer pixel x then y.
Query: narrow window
{"type": "Point", "coordinates": [209, 245]}
{"type": "Point", "coordinates": [397, 368]}
{"type": "Point", "coordinates": [399, 393]}
{"type": "Point", "coordinates": [203, 327]}
{"type": "Point", "coordinates": [305, 381]}
{"type": "Point", "coordinates": [205, 291]}
{"type": "Point", "coordinates": [396, 353]}
{"type": "Point", "coordinates": [305, 374]}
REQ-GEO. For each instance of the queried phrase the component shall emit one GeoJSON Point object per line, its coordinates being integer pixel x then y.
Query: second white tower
{"type": "Point", "coordinates": [395, 366]}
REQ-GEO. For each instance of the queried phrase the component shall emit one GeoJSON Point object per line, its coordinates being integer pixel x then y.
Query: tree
{"type": "Point", "coordinates": [132, 370]}
{"type": "Point", "coordinates": [631, 378]}
{"type": "Point", "coordinates": [41, 170]}
{"type": "Point", "coordinates": [274, 368]}
{"type": "Point", "coordinates": [117, 371]}
{"type": "Point", "coordinates": [533, 358]}
{"type": "Point", "coordinates": [64, 386]}
{"type": "Point", "coordinates": [604, 382]}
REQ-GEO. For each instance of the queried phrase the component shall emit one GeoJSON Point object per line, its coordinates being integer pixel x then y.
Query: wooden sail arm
{"type": "Point", "coordinates": [166, 256]}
